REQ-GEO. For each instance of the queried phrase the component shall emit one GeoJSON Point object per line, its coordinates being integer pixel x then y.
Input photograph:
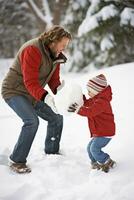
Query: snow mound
{"type": "Point", "coordinates": [69, 94]}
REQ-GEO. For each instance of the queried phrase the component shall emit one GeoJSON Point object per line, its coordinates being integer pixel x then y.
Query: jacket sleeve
{"type": "Point", "coordinates": [30, 62]}
{"type": "Point", "coordinates": [94, 109]}
{"type": "Point", "coordinates": [55, 80]}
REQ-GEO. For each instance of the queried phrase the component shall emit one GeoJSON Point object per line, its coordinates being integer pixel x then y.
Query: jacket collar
{"type": "Point", "coordinates": [60, 59]}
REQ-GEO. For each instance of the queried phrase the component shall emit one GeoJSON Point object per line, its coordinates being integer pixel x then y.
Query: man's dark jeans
{"type": "Point", "coordinates": [29, 116]}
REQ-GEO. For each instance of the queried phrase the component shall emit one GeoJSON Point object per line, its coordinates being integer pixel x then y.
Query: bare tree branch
{"type": "Point", "coordinates": [57, 9]}
{"type": "Point", "coordinates": [48, 15]}
{"type": "Point", "coordinates": [37, 13]}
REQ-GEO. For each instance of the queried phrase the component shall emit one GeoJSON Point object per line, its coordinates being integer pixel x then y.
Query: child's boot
{"type": "Point", "coordinates": [95, 165]}
{"type": "Point", "coordinates": [107, 165]}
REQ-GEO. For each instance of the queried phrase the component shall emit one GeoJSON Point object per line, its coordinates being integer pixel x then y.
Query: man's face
{"type": "Point", "coordinates": [59, 46]}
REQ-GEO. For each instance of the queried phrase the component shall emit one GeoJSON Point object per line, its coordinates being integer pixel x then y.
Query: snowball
{"type": "Point", "coordinates": [69, 94]}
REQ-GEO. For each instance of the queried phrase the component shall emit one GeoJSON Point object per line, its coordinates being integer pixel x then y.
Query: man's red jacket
{"type": "Point", "coordinates": [30, 70]}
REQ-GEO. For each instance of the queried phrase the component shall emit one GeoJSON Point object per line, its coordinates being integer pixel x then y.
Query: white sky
{"type": "Point", "coordinates": [69, 176]}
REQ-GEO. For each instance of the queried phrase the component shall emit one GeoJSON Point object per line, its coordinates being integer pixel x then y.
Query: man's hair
{"type": "Point", "coordinates": [56, 33]}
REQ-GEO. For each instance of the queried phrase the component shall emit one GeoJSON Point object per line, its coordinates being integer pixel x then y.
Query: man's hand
{"type": "Point", "coordinates": [49, 100]}
{"type": "Point", "coordinates": [74, 108]}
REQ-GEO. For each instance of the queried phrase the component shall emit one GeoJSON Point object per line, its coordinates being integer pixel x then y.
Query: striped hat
{"type": "Point", "coordinates": [97, 84]}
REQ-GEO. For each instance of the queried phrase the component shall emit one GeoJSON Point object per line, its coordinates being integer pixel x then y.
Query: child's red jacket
{"type": "Point", "coordinates": [98, 110]}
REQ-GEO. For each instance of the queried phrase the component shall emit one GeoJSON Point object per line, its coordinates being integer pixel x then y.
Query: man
{"type": "Point", "coordinates": [36, 64]}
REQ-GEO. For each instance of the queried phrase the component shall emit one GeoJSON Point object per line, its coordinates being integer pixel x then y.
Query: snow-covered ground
{"type": "Point", "coordinates": [69, 177]}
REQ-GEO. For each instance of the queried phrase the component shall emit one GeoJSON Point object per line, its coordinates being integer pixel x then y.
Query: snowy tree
{"type": "Point", "coordinates": [105, 34]}
{"type": "Point", "coordinates": [15, 23]}
{"type": "Point", "coordinates": [21, 20]}
{"type": "Point", "coordinates": [102, 30]}
{"type": "Point", "coordinates": [73, 18]}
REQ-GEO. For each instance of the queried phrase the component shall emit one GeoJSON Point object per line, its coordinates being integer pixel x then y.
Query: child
{"type": "Point", "coordinates": [100, 121]}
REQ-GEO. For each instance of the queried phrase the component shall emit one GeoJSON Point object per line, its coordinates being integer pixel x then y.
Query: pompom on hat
{"type": "Point", "coordinates": [97, 84]}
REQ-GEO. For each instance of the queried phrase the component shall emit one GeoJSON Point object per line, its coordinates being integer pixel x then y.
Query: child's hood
{"type": "Point", "coordinates": [106, 93]}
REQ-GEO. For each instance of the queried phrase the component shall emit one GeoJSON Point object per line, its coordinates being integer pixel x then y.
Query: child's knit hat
{"type": "Point", "coordinates": [97, 84]}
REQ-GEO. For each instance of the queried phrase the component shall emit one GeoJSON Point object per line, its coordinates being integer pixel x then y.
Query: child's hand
{"type": "Point", "coordinates": [73, 108]}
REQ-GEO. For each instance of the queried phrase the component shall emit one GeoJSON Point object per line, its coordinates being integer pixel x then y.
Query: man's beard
{"type": "Point", "coordinates": [52, 54]}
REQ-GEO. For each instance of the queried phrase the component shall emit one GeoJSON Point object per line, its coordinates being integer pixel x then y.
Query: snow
{"type": "Point", "coordinates": [69, 176]}
{"type": "Point", "coordinates": [107, 42]}
{"type": "Point", "coordinates": [47, 18]}
{"type": "Point", "coordinates": [93, 7]}
{"type": "Point", "coordinates": [108, 12]}
{"type": "Point", "coordinates": [92, 21]}
{"type": "Point", "coordinates": [72, 93]}
{"type": "Point", "coordinates": [93, 16]}
{"type": "Point", "coordinates": [127, 17]}
{"type": "Point", "coordinates": [87, 25]}
{"type": "Point", "coordinates": [75, 5]}
{"type": "Point", "coordinates": [4, 64]}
